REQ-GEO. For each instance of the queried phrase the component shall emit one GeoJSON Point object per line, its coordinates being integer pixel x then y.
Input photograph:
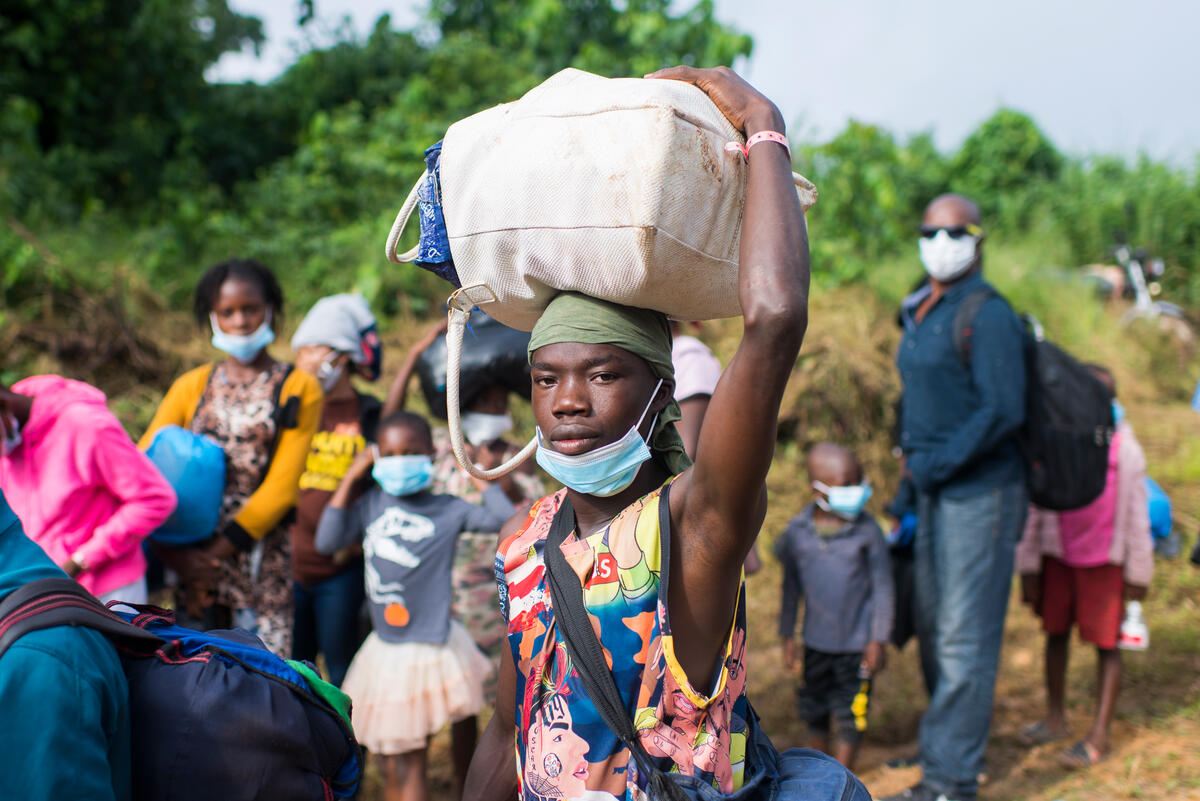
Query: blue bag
{"type": "Point", "coordinates": [1160, 510]}
{"type": "Point", "coordinates": [214, 715]}
{"type": "Point", "coordinates": [194, 466]}
{"type": "Point", "coordinates": [433, 248]}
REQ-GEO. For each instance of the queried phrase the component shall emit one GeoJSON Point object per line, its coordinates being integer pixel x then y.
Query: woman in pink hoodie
{"type": "Point", "coordinates": [82, 489]}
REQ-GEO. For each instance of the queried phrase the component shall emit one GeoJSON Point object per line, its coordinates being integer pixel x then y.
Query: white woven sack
{"type": "Point", "coordinates": [620, 188]}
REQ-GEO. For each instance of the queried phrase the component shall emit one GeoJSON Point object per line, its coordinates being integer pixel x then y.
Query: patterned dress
{"type": "Point", "coordinates": [565, 750]}
{"type": "Point", "coordinates": [474, 579]}
{"type": "Point", "coordinates": [239, 417]}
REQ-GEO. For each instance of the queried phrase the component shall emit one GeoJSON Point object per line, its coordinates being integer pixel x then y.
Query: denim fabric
{"type": "Point", "coordinates": [326, 621]}
{"type": "Point", "coordinates": [433, 248]}
{"type": "Point", "coordinates": [964, 563]}
{"type": "Point", "coordinates": [958, 420]}
{"type": "Point", "coordinates": [798, 774]}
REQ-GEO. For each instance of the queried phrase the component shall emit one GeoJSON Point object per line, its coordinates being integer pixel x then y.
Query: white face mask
{"type": "Point", "coordinates": [946, 258]}
{"type": "Point", "coordinates": [329, 374]}
{"type": "Point", "coordinates": [481, 429]}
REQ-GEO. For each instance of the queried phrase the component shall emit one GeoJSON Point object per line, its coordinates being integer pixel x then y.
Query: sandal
{"type": "Point", "coordinates": [1081, 755]}
{"type": "Point", "coordinates": [1039, 734]}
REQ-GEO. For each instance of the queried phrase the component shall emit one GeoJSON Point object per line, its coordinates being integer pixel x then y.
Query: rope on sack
{"type": "Point", "coordinates": [393, 240]}
{"type": "Point", "coordinates": [461, 304]}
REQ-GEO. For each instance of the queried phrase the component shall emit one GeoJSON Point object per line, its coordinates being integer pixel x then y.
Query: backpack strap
{"type": "Point", "coordinates": [286, 414]}
{"type": "Point", "coordinates": [50, 602]}
{"type": "Point", "coordinates": [964, 320]}
{"type": "Point", "coordinates": [587, 655]}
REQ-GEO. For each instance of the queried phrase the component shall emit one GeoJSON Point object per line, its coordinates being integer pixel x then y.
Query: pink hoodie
{"type": "Point", "coordinates": [80, 486]}
{"type": "Point", "coordinates": [1131, 545]}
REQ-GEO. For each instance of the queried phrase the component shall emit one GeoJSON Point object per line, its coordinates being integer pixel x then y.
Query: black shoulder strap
{"type": "Point", "coordinates": [587, 655]}
{"type": "Point", "coordinates": [287, 414]}
{"type": "Point", "coordinates": [964, 320]}
{"type": "Point", "coordinates": [51, 602]}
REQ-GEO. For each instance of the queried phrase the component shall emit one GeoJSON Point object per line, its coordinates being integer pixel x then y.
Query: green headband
{"type": "Point", "coordinates": [574, 317]}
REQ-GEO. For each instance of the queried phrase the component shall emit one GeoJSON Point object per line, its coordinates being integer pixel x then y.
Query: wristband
{"type": "Point", "coordinates": [761, 136]}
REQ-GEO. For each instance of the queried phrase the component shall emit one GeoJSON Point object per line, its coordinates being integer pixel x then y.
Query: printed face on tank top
{"type": "Point", "coordinates": [565, 750]}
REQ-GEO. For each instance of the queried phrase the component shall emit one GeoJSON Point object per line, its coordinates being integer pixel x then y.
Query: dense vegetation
{"type": "Point", "coordinates": [119, 162]}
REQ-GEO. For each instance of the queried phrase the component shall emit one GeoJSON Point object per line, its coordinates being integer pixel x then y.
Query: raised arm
{"type": "Point", "coordinates": [399, 388]}
{"type": "Point", "coordinates": [720, 503]}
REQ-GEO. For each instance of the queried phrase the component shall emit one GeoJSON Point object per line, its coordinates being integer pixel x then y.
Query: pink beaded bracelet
{"type": "Point", "coordinates": [761, 136]}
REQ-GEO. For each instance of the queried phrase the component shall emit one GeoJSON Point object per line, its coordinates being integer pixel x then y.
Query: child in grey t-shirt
{"type": "Point", "coordinates": [419, 669]}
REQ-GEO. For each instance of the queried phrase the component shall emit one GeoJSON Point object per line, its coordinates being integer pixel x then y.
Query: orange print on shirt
{"type": "Point", "coordinates": [396, 615]}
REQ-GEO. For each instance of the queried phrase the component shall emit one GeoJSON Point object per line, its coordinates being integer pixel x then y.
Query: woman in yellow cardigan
{"type": "Point", "coordinates": [263, 414]}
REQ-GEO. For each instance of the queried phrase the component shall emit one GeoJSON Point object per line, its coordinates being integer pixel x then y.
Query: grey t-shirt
{"type": "Point", "coordinates": [845, 580]}
{"type": "Point", "coordinates": [408, 544]}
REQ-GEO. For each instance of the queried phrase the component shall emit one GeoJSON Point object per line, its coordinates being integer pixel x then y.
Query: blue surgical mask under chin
{"type": "Point", "coordinates": [243, 347]}
{"type": "Point", "coordinates": [845, 502]}
{"type": "Point", "coordinates": [403, 475]}
{"type": "Point", "coordinates": [605, 471]}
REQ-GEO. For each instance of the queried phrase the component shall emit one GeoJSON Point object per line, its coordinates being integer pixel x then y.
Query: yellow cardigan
{"type": "Point", "coordinates": [277, 493]}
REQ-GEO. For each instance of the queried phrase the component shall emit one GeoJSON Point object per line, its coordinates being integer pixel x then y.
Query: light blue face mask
{"type": "Point", "coordinates": [606, 470]}
{"type": "Point", "coordinates": [403, 475]}
{"type": "Point", "coordinates": [243, 347]}
{"type": "Point", "coordinates": [845, 502]}
{"type": "Point", "coordinates": [1118, 412]}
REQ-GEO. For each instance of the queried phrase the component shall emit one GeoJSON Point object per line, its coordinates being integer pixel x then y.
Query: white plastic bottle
{"type": "Point", "coordinates": [1134, 634]}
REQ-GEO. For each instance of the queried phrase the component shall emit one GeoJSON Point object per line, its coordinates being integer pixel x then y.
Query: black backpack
{"type": "Point", "coordinates": [1068, 415]}
{"type": "Point", "coordinates": [214, 715]}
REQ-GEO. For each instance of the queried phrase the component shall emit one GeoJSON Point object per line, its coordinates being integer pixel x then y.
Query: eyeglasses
{"type": "Point", "coordinates": [953, 231]}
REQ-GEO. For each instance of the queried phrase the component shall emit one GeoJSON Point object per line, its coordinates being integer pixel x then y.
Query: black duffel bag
{"type": "Point", "coordinates": [492, 354]}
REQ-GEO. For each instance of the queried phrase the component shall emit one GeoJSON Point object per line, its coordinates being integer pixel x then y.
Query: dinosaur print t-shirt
{"type": "Point", "coordinates": [564, 748]}
{"type": "Point", "coordinates": [408, 543]}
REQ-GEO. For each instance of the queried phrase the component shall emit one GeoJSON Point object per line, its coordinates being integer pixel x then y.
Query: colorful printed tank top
{"type": "Point", "coordinates": [564, 748]}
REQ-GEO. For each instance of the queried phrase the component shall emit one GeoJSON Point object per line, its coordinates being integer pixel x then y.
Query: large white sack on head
{"type": "Point", "coordinates": [620, 188]}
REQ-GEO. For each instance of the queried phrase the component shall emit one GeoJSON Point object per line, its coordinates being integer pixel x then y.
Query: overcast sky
{"type": "Point", "coordinates": [1098, 77]}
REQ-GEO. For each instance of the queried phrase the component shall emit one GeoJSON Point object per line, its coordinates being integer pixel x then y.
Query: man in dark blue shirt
{"type": "Point", "coordinates": [961, 410]}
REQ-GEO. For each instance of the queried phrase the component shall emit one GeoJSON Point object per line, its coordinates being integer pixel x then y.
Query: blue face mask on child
{"type": "Point", "coordinates": [845, 502]}
{"type": "Point", "coordinates": [1118, 412]}
{"type": "Point", "coordinates": [606, 470]}
{"type": "Point", "coordinates": [403, 475]}
{"type": "Point", "coordinates": [243, 347]}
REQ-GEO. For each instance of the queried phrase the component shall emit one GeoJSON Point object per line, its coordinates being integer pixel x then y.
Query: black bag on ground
{"type": "Point", "coordinates": [492, 354]}
{"type": "Point", "coordinates": [1068, 416]}
{"type": "Point", "coordinates": [214, 715]}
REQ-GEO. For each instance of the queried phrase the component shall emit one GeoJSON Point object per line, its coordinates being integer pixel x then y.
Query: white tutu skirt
{"type": "Point", "coordinates": [403, 693]}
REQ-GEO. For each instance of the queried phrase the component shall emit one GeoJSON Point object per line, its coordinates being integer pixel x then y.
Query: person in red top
{"type": "Point", "coordinates": [1076, 568]}
{"type": "Point", "coordinates": [336, 339]}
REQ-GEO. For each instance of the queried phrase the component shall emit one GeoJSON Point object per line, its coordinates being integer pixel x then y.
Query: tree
{"type": "Point", "coordinates": [625, 39]}
{"type": "Point", "coordinates": [114, 82]}
{"type": "Point", "coordinates": [1008, 153]}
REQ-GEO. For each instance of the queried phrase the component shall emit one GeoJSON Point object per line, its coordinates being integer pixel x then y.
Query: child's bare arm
{"type": "Point", "coordinates": [352, 483]}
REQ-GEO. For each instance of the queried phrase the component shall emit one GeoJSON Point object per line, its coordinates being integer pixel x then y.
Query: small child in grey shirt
{"type": "Point", "coordinates": [834, 555]}
{"type": "Point", "coordinates": [419, 669]}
